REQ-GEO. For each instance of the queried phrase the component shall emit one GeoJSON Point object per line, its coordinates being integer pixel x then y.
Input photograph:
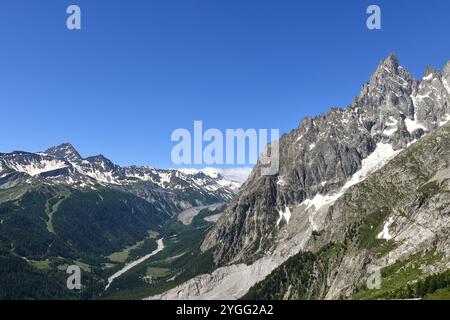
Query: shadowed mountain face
{"type": "Point", "coordinates": [324, 153]}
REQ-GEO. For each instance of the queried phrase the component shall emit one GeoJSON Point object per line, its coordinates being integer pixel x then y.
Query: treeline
{"type": "Point", "coordinates": [422, 287]}
{"type": "Point", "coordinates": [99, 223]}
{"type": "Point", "coordinates": [299, 278]}
{"type": "Point", "coordinates": [18, 280]}
{"type": "Point", "coordinates": [84, 229]}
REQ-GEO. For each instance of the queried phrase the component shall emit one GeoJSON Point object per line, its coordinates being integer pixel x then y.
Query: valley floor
{"type": "Point", "coordinates": [133, 264]}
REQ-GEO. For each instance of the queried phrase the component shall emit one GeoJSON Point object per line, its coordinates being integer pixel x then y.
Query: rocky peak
{"type": "Point", "coordinates": [64, 151]}
{"type": "Point", "coordinates": [101, 160]}
{"type": "Point", "coordinates": [390, 64]}
{"type": "Point", "coordinates": [389, 88]}
{"type": "Point", "coordinates": [201, 175]}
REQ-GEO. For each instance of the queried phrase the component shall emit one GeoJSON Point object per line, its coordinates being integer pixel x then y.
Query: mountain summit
{"type": "Point", "coordinates": [64, 151]}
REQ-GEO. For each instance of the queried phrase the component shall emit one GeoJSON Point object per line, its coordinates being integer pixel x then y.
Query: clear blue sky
{"type": "Point", "coordinates": [140, 69]}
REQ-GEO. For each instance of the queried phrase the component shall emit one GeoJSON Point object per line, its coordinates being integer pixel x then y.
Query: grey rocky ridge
{"type": "Point", "coordinates": [331, 200]}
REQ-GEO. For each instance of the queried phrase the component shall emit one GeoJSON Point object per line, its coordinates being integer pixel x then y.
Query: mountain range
{"type": "Point", "coordinates": [361, 191]}
{"type": "Point", "coordinates": [59, 209]}
{"type": "Point", "coordinates": [62, 165]}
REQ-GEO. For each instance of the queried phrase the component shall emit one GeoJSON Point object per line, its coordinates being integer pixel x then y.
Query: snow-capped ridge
{"type": "Point", "coordinates": [63, 164]}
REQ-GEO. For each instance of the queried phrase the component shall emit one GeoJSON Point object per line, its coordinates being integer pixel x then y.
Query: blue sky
{"type": "Point", "coordinates": [140, 69]}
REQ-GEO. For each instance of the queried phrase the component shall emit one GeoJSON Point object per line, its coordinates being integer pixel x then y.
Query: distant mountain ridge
{"type": "Point", "coordinates": [63, 165]}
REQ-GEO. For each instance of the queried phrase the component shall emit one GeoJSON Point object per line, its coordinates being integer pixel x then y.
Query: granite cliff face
{"type": "Point", "coordinates": [319, 157]}
{"type": "Point", "coordinates": [359, 189]}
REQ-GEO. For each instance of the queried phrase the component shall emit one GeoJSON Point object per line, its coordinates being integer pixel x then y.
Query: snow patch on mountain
{"type": "Point", "coordinates": [428, 77]}
{"type": "Point", "coordinates": [412, 125]}
{"type": "Point", "coordinates": [37, 167]}
{"type": "Point", "coordinates": [378, 158]}
{"type": "Point", "coordinates": [391, 127]}
{"type": "Point", "coordinates": [105, 177]}
{"type": "Point", "coordinates": [286, 214]}
{"type": "Point", "coordinates": [164, 178]}
{"type": "Point", "coordinates": [385, 233]}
